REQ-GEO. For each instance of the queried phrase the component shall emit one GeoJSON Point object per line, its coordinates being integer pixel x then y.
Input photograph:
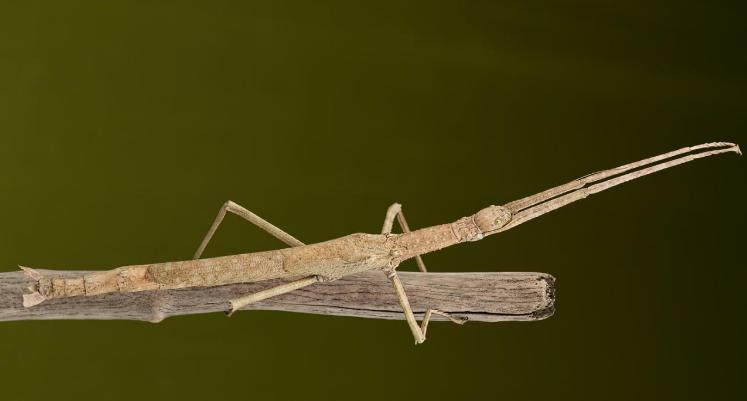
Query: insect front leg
{"type": "Point", "coordinates": [418, 331]}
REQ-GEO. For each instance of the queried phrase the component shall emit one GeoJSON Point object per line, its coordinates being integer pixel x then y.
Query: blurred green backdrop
{"type": "Point", "coordinates": [125, 125]}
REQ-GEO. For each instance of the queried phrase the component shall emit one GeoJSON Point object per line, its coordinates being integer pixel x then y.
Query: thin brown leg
{"type": "Point", "coordinates": [237, 209]}
{"type": "Point", "coordinates": [417, 331]}
{"type": "Point", "coordinates": [238, 303]}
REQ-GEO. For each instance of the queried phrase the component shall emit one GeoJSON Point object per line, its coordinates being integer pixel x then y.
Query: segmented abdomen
{"type": "Point", "coordinates": [170, 275]}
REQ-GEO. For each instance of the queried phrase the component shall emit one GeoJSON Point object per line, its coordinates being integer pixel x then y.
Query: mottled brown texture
{"type": "Point", "coordinates": [329, 260]}
{"type": "Point", "coordinates": [488, 297]}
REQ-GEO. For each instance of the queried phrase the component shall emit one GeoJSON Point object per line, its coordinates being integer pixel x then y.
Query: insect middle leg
{"type": "Point", "coordinates": [418, 331]}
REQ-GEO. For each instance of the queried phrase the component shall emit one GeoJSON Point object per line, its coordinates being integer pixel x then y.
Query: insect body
{"type": "Point", "coordinates": [333, 259]}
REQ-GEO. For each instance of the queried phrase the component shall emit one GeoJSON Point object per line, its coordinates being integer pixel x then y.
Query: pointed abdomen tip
{"type": "Point", "coordinates": [31, 273]}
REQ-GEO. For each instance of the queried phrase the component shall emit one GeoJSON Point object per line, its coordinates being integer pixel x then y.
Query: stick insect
{"type": "Point", "coordinates": [330, 260]}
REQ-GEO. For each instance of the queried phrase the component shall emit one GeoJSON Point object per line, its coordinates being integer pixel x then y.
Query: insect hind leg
{"type": "Point", "coordinates": [239, 210]}
{"type": "Point", "coordinates": [238, 303]}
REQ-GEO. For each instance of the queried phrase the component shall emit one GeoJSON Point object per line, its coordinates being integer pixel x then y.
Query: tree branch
{"type": "Point", "coordinates": [487, 297]}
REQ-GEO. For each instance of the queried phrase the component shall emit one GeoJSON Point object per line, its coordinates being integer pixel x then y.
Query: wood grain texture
{"type": "Point", "coordinates": [487, 297]}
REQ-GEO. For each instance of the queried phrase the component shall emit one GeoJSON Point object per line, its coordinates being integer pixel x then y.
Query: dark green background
{"type": "Point", "coordinates": [124, 126]}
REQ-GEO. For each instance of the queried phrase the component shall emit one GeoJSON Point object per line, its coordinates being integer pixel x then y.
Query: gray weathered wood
{"type": "Point", "coordinates": [488, 297]}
